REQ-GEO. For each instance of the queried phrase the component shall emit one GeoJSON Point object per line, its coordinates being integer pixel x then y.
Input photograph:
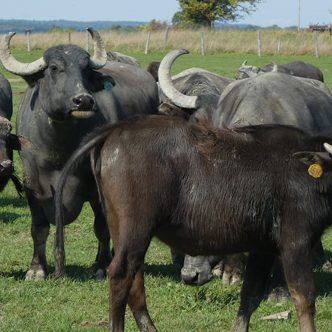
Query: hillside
{"type": "Point", "coordinates": [43, 26]}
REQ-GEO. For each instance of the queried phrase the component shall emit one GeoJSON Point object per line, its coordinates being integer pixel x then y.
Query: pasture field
{"type": "Point", "coordinates": [272, 41]}
{"type": "Point", "coordinates": [79, 303]}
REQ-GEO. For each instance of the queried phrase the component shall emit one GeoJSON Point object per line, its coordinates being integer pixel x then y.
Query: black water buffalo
{"type": "Point", "coordinates": [206, 191]}
{"type": "Point", "coordinates": [269, 98]}
{"type": "Point", "coordinates": [176, 92]}
{"type": "Point", "coordinates": [123, 58]}
{"type": "Point", "coordinates": [8, 141]}
{"type": "Point", "coordinates": [296, 68]}
{"type": "Point", "coordinates": [69, 93]}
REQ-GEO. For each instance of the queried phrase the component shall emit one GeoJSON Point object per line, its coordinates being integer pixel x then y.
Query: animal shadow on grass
{"type": "Point", "coordinates": [15, 202]}
{"type": "Point", "coordinates": [323, 282]}
{"type": "Point", "coordinates": [171, 271]}
{"type": "Point", "coordinates": [16, 275]}
{"type": "Point", "coordinates": [75, 272]}
{"type": "Point", "coordinates": [82, 273]}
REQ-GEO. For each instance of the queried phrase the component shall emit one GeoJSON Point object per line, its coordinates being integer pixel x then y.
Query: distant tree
{"type": "Point", "coordinates": [154, 25]}
{"type": "Point", "coordinates": [206, 12]}
{"type": "Point", "coordinates": [116, 27]}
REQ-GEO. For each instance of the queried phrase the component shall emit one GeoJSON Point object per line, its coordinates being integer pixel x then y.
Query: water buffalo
{"type": "Point", "coordinates": [296, 68]}
{"type": "Point", "coordinates": [8, 141]}
{"type": "Point", "coordinates": [206, 191]}
{"type": "Point", "coordinates": [69, 93]}
{"type": "Point", "coordinates": [123, 58]}
{"type": "Point", "coordinates": [269, 98]}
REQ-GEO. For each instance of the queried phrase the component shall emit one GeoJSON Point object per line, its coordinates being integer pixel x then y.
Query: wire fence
{"type": "Point", "coordinates": [280, 41]}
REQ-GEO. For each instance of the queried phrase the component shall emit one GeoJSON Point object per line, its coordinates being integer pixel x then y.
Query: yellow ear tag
{"type": "Point", "coordinates": [315, 170]}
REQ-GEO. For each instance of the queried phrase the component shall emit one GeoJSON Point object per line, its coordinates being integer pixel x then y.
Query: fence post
{"type": "Point", "coordinates": [27, 33]}
{"type": "Point", "coordinates": [166, 37]}
{"type": "Point", "coordinates": [202, 44]}
{"type": "Point", "coordinates": [279, 46]}
{"type": "Point", "coordinates": [69, 37]}
{"type": "Point", "coordinates": [316, 45]}
{"type": "Point", "coordinates": [259, 43]}
{"type": "Point", "coordinates": [147, 43]}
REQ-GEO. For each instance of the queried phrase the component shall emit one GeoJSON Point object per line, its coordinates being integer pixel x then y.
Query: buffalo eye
{"type": "Point", "coordinates": [53, 68]}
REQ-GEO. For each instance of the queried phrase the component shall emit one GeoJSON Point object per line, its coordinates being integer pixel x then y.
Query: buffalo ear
{"type": "Point", "coordinates": [310, 157]}
{"type": "Point", "coordinates": [100, 81]}
{"type": "Point", "coordinates": [18, 142]}
{"type": "Point", "coordinates": [318, 162]}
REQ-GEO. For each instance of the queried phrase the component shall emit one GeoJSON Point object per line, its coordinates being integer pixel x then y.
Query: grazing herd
{"type": "Point", "coordinates": [213, 167]}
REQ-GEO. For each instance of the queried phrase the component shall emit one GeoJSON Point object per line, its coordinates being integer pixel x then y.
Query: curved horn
{"type": "Point", "coordinates": [14, 66]}
{"type": "Point", "coordinates": [328, 148]}
{"type": "Point", "coordinates": [166, 84]}
{"type": "Point", "coordinates": [99, 58]}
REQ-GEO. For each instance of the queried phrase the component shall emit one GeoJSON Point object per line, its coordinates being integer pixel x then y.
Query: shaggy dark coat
{"type": "Point", "coordinates": [207, 191]}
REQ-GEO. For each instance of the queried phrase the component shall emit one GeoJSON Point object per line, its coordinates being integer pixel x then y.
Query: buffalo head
{"type": "Point", "coordinates": [246, 71]}
{"type": "Point", "coordinates": [195, 91]}
{"type": "Point", "coordinates": [64, 79]}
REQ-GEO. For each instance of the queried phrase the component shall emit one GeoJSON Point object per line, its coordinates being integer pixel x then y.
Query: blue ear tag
{"type": "Point", "coordinates": [108, 86]}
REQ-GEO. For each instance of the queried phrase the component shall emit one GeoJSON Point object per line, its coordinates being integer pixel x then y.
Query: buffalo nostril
{"type": "Point", "coordinates": [84, 101]}
{"type": "Point", "coordinates": [77, 101]}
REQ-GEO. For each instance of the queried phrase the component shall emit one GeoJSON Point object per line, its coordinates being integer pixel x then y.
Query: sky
{"type": "Point", "coordinates": [283, 13]}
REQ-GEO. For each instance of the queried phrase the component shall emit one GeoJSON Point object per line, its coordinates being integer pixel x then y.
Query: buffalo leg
{"type": "Point", "coordinates": [300, 281]}
{"type": "Point", "coordinates": [253, 288]}
{"type": "Point", "coordinates": [39, 232]}
{"type": "Point", "coordinates": [118, 294]}
{"type": "Point", "coordinates": [137, 303]}
{"type": "Point", "coordinates": [103, 257]}
{"type": "Point", "coordinates": [127, 286]}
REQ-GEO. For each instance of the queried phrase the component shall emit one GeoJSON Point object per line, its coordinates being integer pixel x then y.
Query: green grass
{"type": "Point", "coordinates": [79, 303]}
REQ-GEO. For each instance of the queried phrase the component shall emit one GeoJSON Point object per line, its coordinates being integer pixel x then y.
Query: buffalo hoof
{"type": "Point", "coordinates": [35, 274]}
{"type": "Point", "coordinates": [279, 294]}
{"type": "Point", "coordinates": [100, 274]}
{"type": "Point", "coordinates": [233, 267]}
{"type": "Point", "coordinates": [232, 274]}
{"type": "Point", "coordinates": [231, 277]}
{"type": "Point", "coordinates": [218, 270]}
